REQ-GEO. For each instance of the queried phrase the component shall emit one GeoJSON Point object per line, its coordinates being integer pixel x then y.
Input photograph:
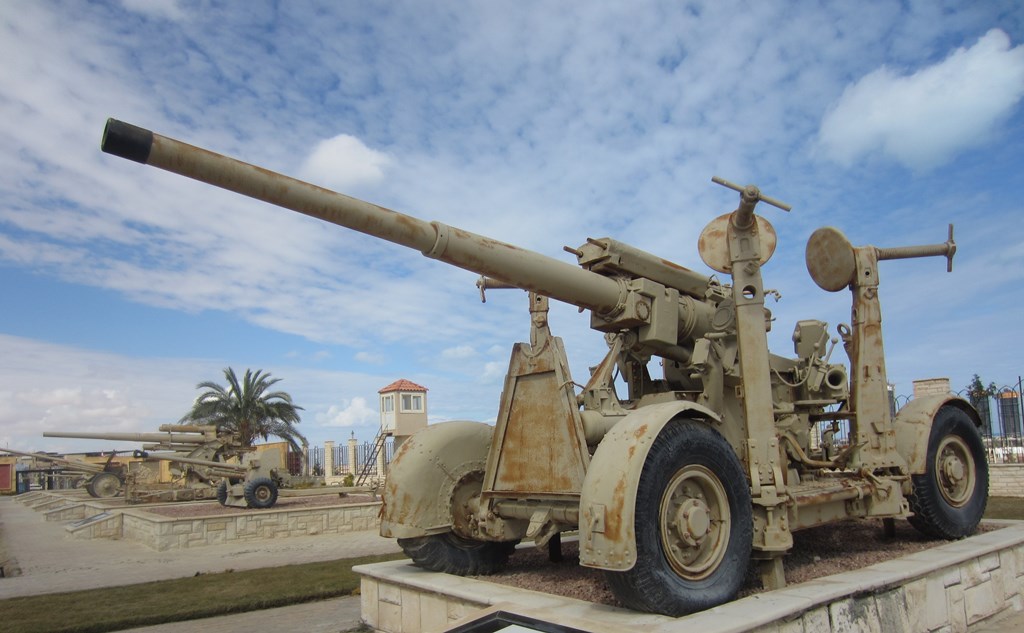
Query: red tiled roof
{"type": "Point", "coordinates": [402, 385]}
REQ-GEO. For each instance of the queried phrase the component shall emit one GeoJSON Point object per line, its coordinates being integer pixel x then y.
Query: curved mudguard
{"type": "Point", "coordinates": [423, 473]}
{"type": "Point", "coordinates": [608, 498]}
{"type": "Point", "coordinates": [914, 425]}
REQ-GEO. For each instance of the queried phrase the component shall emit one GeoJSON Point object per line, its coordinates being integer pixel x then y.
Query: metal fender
{"type": "Point", "coordinates": [608, 498]}
{"type": "Point", "coordinates": [914, 424]}
{"type": "Point", "coordinates": [423, 474]}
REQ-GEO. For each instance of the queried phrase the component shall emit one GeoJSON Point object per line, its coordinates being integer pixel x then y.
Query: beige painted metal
{"type": "Point", "coordinates": [914, 423]}
{"type": "Point", "coordinates": [559, 460]}
{"type": "Point", "coordinates": [427, 471]}
{"type": "Point", "coordinates": [608, 502]}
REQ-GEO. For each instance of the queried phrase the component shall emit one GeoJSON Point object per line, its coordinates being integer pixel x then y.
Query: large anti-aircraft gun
{"type": "Point", "coordinates": [100, 480]}
{"type": "Point", "coordinates": [677, 486]}
{"type": "Point", "coordinates": [185, 444]}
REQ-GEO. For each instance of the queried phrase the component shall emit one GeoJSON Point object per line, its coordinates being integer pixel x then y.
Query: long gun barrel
{"type": "Point", "coordinates": [222, 466]}
{"type": "Point", "coordinates": [68, 463]}
{"type": "Point", "coordinates": [177, 438]}
{"type": "Point", "coordinates": [499, 260]}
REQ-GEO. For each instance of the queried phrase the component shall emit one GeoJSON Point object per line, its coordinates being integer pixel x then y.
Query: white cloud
{"type": "Point", "coordinates": [923, 119]}
{"type": "Point", "coordinates": [458, 353]}
{"type": "Point", "coordinates": [168, 9]}
{"type": "Point", "coordinates": [370, 358]}
{"type": "Point", "coordinates": [343, 163]}
{"type": "Point", "coordinates": [352, 413]}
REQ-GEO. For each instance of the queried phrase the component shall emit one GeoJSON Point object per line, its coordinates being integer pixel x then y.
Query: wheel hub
{"type": "Point", "coordinates": [693, 521]}
{"type": "Point", "coordinates": [955, 468]}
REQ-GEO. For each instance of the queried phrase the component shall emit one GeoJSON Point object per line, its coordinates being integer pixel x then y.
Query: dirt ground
{"type": "Point", "coordinates": [817, 552]}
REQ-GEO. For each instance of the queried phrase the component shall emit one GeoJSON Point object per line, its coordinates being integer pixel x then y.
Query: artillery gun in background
{"type": "Point", "coordinates": [253, 483]}
{"type": "Point", "coordinates": [99, 480]}
{"type": "Point", "coordinates": [186, 444]}
{"type": "Point", "coordinates": [678, 486]}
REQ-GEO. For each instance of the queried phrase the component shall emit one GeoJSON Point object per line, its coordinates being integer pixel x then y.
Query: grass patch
{"type": "Point", "coordinates": [201, 596]}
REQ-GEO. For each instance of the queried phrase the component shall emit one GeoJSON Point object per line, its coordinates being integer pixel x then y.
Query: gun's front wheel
{"type": "Point", "coordinates": [693, 525]}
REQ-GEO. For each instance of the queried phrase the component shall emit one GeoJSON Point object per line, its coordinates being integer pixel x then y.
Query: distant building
{"type": "Point", "coordinates": [931, 387]}
{"type": "Point", "coordinates": [403, 409]}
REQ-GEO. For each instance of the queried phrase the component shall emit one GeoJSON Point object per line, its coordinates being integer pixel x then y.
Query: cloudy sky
{"type": "Point", "coordinates": [537, 123]}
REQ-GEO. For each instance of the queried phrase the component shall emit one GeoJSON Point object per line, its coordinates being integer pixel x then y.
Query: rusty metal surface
{"type": "Point", "coordinates": [426, 469]}
{"type": "Point", "coordinates": [710, 337]}
{"type": "Point", "coordinates": [607, 512]}
{"type": "Point", "coordinates": [713, 248]}
{"type": "Point", "coordinates": [829, 258]}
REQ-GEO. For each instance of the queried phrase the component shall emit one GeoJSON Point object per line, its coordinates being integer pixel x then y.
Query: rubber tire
{"type": "Point", "coordinates": [260, 493]}
{"type": "Point", "coordinates": [222, 492]}
{"type": "Point", "coordinates": [451, 554]}
{"type": "Point", "coordinates": [652, 584]}
{"type": "Point", "coordinates": [106, 480]}
{"type": "Point", "coordinates": [933, 515]}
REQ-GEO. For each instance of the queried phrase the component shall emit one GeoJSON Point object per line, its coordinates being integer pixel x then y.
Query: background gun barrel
{"type": "Point", "coordinates": [526, 269]}
{"type": "Point", "coordinates": [69, 463]}
{"type": "Point", "coordinates": [187, 428]}
{"type": "Point", "coordinates": [170, 457]}
{"type": "Point", "coordinates": [177, 438]}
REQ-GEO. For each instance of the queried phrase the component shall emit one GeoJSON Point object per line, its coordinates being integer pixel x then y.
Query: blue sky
{"type": "Point", "coordinates": [536, 123]}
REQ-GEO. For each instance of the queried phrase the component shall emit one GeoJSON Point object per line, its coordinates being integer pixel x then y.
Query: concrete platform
{"type": "Point", "coordinates": [954, 587]}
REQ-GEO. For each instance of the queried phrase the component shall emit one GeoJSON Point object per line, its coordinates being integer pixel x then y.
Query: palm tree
{"type": "Point", "coordinates": [248, 409]}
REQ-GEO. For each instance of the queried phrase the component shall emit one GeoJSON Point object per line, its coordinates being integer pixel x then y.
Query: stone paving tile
{"type": "Point", "coordinates": [53, 562]}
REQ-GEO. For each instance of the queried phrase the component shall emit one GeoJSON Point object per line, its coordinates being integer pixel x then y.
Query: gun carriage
{"type": "Point", "coordinates": [678, 484]}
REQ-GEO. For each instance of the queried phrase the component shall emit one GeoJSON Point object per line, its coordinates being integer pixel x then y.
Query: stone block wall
{"type": "Point", "coordinates": [1006, 480]}
{"type": "Point", "coordinates": [164, 533]}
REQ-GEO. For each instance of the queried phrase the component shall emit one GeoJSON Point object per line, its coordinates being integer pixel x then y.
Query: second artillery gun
{"type": "Point", "coordinates": [100, 480]}
{"type": "Point", "coordinates": [677, 486]}
{"type": "Point", "coordinates": [205, 464]}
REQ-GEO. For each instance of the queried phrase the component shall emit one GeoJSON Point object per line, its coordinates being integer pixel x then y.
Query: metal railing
{"type": "Point", "coordinates": [340, 458]}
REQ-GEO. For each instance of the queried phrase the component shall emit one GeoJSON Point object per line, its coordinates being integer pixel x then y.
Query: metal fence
{"type": "Point", "coordinates": [1002, 428]}
{"type": "Point", "coordinates": [364, 454]}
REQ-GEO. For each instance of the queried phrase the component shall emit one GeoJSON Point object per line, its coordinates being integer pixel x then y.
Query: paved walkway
{"type": "Point", "coordinates": [52, 562]}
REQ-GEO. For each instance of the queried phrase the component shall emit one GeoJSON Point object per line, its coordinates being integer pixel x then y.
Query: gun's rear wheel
{"type": "Point", "coordinates": [949, 498]}
{"type": "Point", "coordinates": [222, 492]}
{"type": "Point", "coordinates": [693, 525]}
{"type": "Point", "coordinates": [452, 554]}
{"type": "Point", "coordinates": [260, 493]}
